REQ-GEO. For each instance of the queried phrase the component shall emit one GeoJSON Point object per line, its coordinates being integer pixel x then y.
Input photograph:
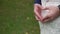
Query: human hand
{"type": "Point", "coordinates": [52, 14]}
{"type": "Point", "coordinates": [37, 11]}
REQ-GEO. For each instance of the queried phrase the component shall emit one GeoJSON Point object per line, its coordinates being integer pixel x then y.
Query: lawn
{"type": "Point", "coordinates": [17, 17]}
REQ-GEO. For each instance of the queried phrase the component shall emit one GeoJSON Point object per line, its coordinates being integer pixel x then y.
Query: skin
{"type": "Point", "coordinates": [37, 11]}
{"type": "Point", "coordinates": [52, 14]}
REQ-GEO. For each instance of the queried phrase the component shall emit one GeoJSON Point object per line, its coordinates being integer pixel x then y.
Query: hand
{"type": "Point", "coordinates": [37, 11]}
{"type": "Point", "coordinates": [52, 14]}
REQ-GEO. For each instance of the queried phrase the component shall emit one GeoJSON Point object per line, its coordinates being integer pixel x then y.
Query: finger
{"type": "Point", "coordinates": [38, 5]}
{"type": "Point", "coordinates": [47, 18]}
{"type": "Point", "coordinates": [37, 18]}
{"type": "Point", "coordinates": [38, 13]}
{"type": "Point", "coordinates": [46, 8]}
{"type": "Point", "coordinates": [37, 10]}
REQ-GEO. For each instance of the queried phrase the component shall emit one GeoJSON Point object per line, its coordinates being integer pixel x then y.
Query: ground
{"type": "Point", "coordinates": [17, 17]}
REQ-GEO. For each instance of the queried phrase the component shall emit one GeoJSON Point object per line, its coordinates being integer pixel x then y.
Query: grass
{"type": "Point", "coordinates": [17, 17]}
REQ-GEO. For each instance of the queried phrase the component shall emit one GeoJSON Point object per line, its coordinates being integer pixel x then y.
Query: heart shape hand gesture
{"type": "Point", "coordinates": [52, 14]}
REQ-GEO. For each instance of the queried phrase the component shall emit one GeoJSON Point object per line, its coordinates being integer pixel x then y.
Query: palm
{"type": "Point", "coordinates": [53, 13]}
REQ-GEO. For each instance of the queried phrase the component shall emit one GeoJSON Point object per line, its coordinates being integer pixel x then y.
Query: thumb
{"type": "Point", "coordinates": [45, 8]}
{"type": "Point", "coordinates": [46, 18]}
{"type": "Point", "coordinates": [40, 6]}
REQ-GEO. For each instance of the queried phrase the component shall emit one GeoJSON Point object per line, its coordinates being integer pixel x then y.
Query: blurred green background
{"type": "Point", "coordinates": [17, 17]}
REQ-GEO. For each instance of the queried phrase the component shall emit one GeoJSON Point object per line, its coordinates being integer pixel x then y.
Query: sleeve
{"type": "Point", "coordinates": [59, 7]}
{"type": "Point", "coordinates": [37, 1]}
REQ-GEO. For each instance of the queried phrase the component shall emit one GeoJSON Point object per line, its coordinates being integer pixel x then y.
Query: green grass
{"type": "Point", "coordinates": [17, 17]}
